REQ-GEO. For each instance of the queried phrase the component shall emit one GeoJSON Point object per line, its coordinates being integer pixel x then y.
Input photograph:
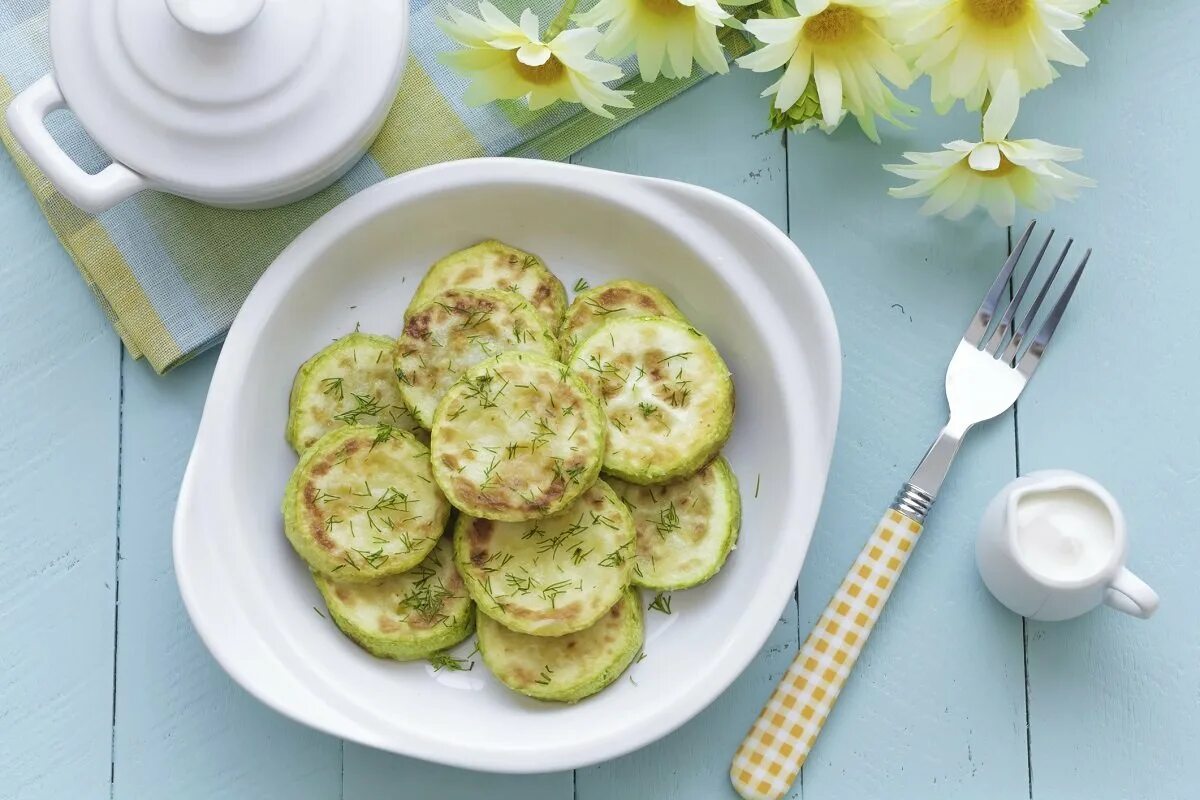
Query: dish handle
{"type": "Point", "coordinates": [93, 193]}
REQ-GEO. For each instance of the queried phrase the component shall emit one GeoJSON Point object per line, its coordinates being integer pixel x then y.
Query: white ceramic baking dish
{"type": "Point", "coordinates": [733, 273]}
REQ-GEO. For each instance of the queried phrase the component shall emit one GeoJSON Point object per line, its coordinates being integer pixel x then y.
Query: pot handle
{"type": "Point", "coordinates": [92, 193]}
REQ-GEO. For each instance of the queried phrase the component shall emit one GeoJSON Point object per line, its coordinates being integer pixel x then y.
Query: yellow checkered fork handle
{"type": "Point", "coordinates": [771, 755]}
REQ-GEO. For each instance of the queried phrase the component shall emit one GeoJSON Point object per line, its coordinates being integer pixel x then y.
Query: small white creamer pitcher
{"type": "Point", "coordinates": [1052, 546]}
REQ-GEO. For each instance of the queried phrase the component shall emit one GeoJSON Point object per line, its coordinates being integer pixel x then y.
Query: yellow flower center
{"type": "Point", "coordinates": [996, 13]}
{"type": "Point", "coordinates": [1005, 167]}
{"type": "Point", "coordinates": [834, 25]}
{"type": "Point", "coordinates": [543, 74]}
{"type": "Point", "coordinates": [664, 8]}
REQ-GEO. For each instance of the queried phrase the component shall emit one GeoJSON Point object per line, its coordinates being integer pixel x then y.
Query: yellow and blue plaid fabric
{"type": "Point", "coordinates": [171, 274]}
{"type": "Point", "coordinates": [770, 757]}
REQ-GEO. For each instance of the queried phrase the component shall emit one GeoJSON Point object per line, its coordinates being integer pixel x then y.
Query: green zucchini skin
{"type": "Point", "coordinates": [493, 264]}
{"type": "Point", "coordinates": [518, 437]}
{"type": "Point", "coordinates": [362, 504]}
{"type": "Point", "coordinates": [565, 668]}
{"type": "Point", "coordinates": [667, 394]}
{"type": "Point", "coordinates": [685, 529]}
{"type": "Point", "coordinates": [593, 307]}
{"type": "Point", "coordinates": [349, 382]}
{"type": "Point", "coordinates": [551, 576]}
{"type": "Point", "coordinates": [407, 616]}
{"type": "Point", "coordinates": [455, 331]}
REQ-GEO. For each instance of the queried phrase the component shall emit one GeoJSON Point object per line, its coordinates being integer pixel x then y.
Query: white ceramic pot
{"type": "Point", "coordinates": [238, 103]}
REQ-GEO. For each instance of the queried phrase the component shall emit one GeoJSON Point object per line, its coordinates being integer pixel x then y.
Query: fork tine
{"type": "Point", "coordinates": [1022, 329]}
{"type": "Point", "coordinates": [1033, 355]}
{"type": "Point", "coordinates": [983, 317]}
{"type": "Point", "coordinates": [998, 336]}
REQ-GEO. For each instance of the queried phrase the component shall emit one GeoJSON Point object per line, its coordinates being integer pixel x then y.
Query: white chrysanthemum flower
{"type": "Point", "coordinates": [996, 173]}
{"type": "Point", "coordinates": [667, 35]}
{"type": "Point", "coordinates": [841, 49]}
{"type": "Point", "coordinates": [966, 46]}
{"type": "Point", "coordinates": [506, 61]}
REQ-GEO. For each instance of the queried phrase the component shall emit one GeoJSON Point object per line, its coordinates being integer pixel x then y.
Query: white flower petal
{"type": "Point", "coordinates": [966, 56]}
{"type": "Point", "coordinates": [985, 158]}
{"type": "Point", "coordinates": [533, 54]}
{"type": "Point", "coordinates": [529, 25]}
{"type": "Point", "coordinates": [829, 90]}
{"type": "Point", "coordinates": [1002, 113]}
{"type": "Point", "coordinates": [794, 82]}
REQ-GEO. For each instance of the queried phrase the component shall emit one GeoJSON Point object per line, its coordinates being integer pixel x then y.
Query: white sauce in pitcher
{"type": "Point", "coordinates": [1064, 534]}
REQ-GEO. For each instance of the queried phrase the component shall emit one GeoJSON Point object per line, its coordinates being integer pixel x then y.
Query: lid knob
{"type": "Point", "coordinates": [215, 17]}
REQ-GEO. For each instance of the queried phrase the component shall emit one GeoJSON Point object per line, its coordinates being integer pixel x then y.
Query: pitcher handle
{"type": "Point", "coordinates": [1132, 595]}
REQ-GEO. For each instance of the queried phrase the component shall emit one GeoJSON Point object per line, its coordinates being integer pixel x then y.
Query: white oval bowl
{"type": "Point", "coordinates": [735, 275]}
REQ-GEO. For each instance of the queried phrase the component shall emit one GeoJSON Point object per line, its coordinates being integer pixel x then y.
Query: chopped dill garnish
{"type": "Point", "coordinates": [599, 309]}
{"type": "Point", "coordinates": [364, 406]}
{"type": "Point", "coordinates": [374, 559]}
{"type": "Point", "coordinates": [319, 614]}
{"type": "Point", "coordinates": [534, 530]}
{"type": "Point", "coordinates": [615, 559]}
{"type": "Point", "coordinates": [496, 561]}
{"type": "Point", "coordinates": [661, 602]}
{"type": "Point", "coordinates": [582, 286]}
{"type": "Point", "coordinates": [546, 676]}
{"type": "Point", "coordinates": [641, 657]}
{"type": "Point", "coordinates": [600, 519]}
{"type": "Point", "coordinates": [518, 584]}
{"type": "Point", "coordinates": [757, 483]}
{"type": "Point", "coordinates": [333, 387]}
{"type": "Point", "coordinates": [670, 358]}
{"type": "Point", "coordinates": [668, 521]}
{"type": "Point", "coordinates": [384, 433]}
{"type": "Point", "coordinates": [579, 554]}
{"type": "Point", "coordinates": [551, 592]}
{"type": "Point", "coordinates": [425, 601]}
{"type": "Point", "coordinates": [647, 409]}
{"type": "Point", "coordinates": [443, 660]}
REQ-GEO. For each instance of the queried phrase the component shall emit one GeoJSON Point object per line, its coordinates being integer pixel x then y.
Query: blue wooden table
{"type": "Point", "coordinates": [105, 691]}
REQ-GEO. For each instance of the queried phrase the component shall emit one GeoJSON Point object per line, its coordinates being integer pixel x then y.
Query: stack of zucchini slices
{"type": "Point", "coordinates": [577, 447]}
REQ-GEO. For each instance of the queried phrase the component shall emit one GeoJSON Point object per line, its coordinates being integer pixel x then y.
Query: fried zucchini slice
{"type": "Point", "coordinates": [518, 437]}
{"type": "Point", "coordinates": [551, 576]}
{"type": "Point", "coordinates": [685, 529]}
{"type": "Point", "coordinates": [667, 393]}
{"type": "Point", "coordinates": [495, 265]}
{"type": "Point", "coordinates": [350, 382]}
{"type": "Point", "coordinates": [457, 330]}
{"type": "Point", "coordinates": [407, 616]}
{"type": "Point", "coordinates": [624, 298]}
{"type": "Point", "coordinates": [565, 668]}
{"type": "Point", "coordinates": [362, 504]}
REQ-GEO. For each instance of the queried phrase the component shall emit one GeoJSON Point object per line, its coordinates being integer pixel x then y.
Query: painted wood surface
{"type": "Point", "coordinates": [105, 690]}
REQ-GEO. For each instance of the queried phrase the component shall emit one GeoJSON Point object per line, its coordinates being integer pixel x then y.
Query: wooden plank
{"type": "Point", "coordinates": [59, 398]}
{"type": "Point", "coordinates": [183, 728]}
{"type": "Point", "coordinates": [738, 158]}
{"type": "Point", "coordinates": [1113, 700]}
{"type": "Point", "coordinates": [372, 774]}
{"type": "Point", "coordinates": [936, 705]}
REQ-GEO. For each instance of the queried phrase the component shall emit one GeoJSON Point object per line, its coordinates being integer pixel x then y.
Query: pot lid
{"type": "Point", "coordinates": [229, 99]}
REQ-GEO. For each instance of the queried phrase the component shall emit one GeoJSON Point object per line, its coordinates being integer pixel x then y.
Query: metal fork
{"type": "Point", "coordinates": [989, 369]}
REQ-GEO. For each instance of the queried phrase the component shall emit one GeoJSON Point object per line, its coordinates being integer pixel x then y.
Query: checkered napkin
{"type": "Point", "coordinates": [171, 274]}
